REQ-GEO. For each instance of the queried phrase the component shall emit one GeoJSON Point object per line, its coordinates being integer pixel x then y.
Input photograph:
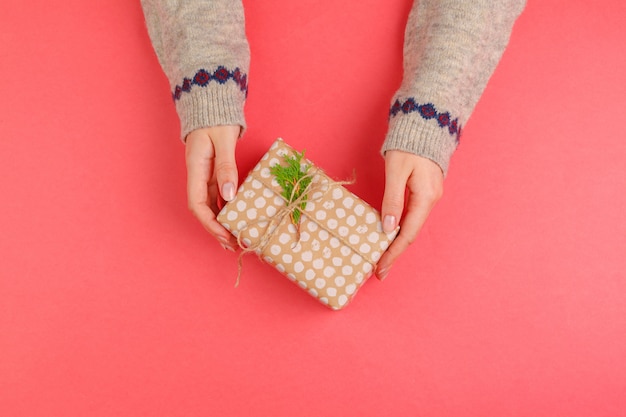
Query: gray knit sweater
{"type": "Point", "coordinates": [451, 48]}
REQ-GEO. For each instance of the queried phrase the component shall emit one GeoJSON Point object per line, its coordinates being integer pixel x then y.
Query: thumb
{"type": "Point", "coordinates": [393, 198]}
{"type": "Point", "coordinates": [225, 165]}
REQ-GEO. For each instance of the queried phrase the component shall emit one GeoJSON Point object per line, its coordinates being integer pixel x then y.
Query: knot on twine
{"type": "Point", "coordinates": [297, 201]}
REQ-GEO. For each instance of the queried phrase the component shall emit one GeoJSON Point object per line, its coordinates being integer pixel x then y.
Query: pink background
{"type": "Point", "coordinates": [115, 302]}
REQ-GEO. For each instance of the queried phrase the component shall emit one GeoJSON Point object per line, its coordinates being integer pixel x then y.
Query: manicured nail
{"type": "Point", "coordinates": [382, 273]}
{"type": "Point", "coordinates": [389, 223]}
{"type": "Point", "coordinates": [226, 247]}
{"type": "Point", "coordinates": [228, 191]}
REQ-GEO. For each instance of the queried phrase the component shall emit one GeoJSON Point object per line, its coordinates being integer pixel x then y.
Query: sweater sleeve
{"type": "Point", "coordinates": [202, 48]}
{"type": "Point", "coordinates": [451, 48]}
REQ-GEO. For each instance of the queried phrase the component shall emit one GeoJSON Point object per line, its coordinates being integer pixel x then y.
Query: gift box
{"type": "Point", "coordinates": [327, 240]}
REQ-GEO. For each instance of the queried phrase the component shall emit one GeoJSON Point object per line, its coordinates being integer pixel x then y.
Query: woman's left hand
{"type": "Point", "coordinates": [423, 180]}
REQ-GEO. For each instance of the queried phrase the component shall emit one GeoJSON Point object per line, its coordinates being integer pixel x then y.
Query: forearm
{"type": "Point", "coordinates": [451, 48]}
{"type": "Point", "coordinates": [202, 48]}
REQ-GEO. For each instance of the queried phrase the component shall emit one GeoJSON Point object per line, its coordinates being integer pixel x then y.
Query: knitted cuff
{"type": "Point", "coordinates": [213, 105]}
{"type": "Point", "coordinates": [414, 134]}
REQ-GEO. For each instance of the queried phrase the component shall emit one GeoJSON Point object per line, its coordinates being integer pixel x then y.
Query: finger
{"type": "Point", "coordinates": [198, 171]}
{"type": "Point", "coordinates": [393, 198]}
{"type": "Point", "coordinates": [417, 212]}
{"type": "Point", "coordinates": [214, 197]}
{"type": "Point", "coordinates": [226, 166]}
{"type": "Point", "coordinates": [215, 203]}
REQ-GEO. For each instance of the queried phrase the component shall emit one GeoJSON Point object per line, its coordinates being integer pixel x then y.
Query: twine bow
{"type": "Point", "coordinates": [295, 202]}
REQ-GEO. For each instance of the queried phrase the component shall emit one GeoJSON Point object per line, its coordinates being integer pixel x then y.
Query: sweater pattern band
{"type": "Point", "coordinates": [202, 78]}
{"type": "Point", "coordinates": [427, 111]}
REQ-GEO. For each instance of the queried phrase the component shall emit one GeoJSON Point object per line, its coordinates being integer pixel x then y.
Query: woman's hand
{"type": "Point", "coordinates": [423, 179]}
{"type": "Point", "coordinates": [211, 166]}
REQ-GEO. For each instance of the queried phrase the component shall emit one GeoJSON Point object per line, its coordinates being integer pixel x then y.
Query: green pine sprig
{"type": "Point", "coordinates": [294, 180]}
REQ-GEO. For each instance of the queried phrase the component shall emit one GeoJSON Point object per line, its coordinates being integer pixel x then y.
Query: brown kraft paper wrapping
{"type": "Point", "coordinates": [341, 236]}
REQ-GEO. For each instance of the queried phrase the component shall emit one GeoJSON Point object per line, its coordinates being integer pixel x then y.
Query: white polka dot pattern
{"type": "Point", "coordinates": [341, 236]}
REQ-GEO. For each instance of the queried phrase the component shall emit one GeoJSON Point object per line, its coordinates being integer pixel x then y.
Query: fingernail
{"type": "Point", "coordinates": [389, 223]}
{"type": "Point", "coordinates": [226, 243]}
{"type": "Point", "coordinates": [226, 247]}
{"type": "Point", "coordinates": [228, 191]}
{"type": "Point", "coordinates": [382, 274]}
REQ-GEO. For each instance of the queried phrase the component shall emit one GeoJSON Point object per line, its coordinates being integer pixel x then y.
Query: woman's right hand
{"type": "Point", "coordinates": [212, 176]}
